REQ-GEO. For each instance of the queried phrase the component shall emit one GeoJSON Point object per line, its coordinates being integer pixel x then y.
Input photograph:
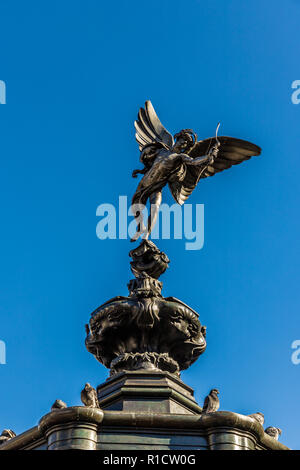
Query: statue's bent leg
{"type": "Point", "coordinates": [155, 202]}
{"type": "Point", "coordinates": [137, 210]}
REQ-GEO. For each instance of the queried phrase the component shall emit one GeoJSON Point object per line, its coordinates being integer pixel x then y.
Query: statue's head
{"type": "Point", "coordinates": [184, 140]}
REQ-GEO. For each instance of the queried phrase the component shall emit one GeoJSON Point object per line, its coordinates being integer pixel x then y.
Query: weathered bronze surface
{"type": "Point", "coordinates": [145, 330]}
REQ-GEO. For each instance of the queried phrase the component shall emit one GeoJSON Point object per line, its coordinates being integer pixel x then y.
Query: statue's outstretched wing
{"type": "Point", "coordinates": [231, 152]}
{"type": "Point", "coordinates": [149, 129]}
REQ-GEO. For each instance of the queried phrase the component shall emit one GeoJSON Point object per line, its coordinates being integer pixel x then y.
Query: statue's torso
{"type": "Point", "coordinates": [164, 165]}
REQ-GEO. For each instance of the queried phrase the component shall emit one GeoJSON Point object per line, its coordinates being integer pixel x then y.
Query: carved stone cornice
{"type": "Point", "coordinates": [214, 426]}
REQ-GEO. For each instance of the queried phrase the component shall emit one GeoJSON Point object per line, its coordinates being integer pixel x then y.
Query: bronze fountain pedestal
{"type": "Point", "coordinates": [145, 340]}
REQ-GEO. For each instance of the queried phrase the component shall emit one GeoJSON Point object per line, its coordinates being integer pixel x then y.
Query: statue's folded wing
{"type": "Point", "coordinates": [231, 152]}
{"type": "Point", "coordinates": [150, 130]}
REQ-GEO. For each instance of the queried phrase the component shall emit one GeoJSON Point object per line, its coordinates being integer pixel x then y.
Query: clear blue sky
{"type": "Point", "coordinates": [76, 73]}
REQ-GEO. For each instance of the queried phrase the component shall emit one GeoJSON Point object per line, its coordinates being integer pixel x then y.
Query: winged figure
{"type": "Point", "coordinates": [179, 161]}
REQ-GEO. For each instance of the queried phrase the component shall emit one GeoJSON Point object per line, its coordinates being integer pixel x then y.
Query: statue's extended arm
{"type": "Point", "coordinates": [195, 161]}
{"type": "Point", "coordinates": [207, 159]}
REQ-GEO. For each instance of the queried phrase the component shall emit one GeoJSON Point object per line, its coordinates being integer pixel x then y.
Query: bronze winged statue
{"type": "Point", "coordinates": [179, 161]}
